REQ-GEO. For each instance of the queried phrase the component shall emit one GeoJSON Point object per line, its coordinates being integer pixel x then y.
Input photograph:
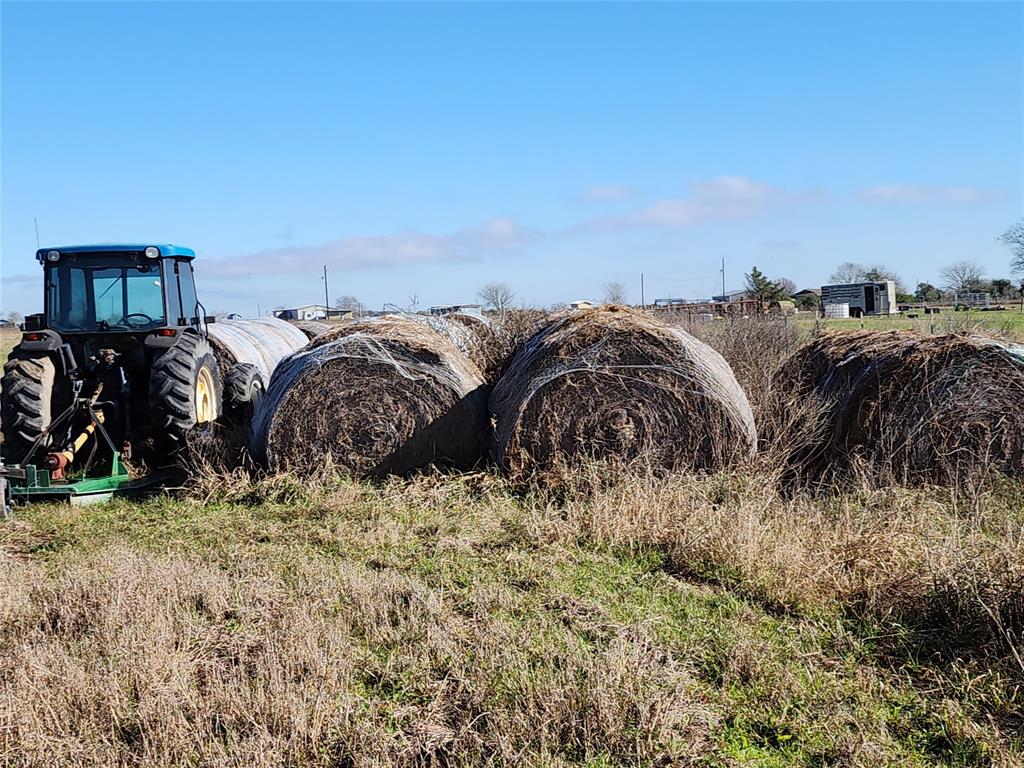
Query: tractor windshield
{"type": "Point", "coordinates": [96, 293]}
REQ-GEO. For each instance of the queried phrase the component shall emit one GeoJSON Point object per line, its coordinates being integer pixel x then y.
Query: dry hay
{"type": "Point", "coordinates": [496, 342]}
{"type": "Point", "coordinates": [377, 397]}
{"type": "Point", "coordinates": [312, 328]}
{"type": "Point", "coordinates": [616, 384]}
{"type": "Point", "coordinates": [909, 408]}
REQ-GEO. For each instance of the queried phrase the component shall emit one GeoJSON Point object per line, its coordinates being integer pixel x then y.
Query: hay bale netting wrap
{"type": "Point", "coordinates": [312, 328]}
{"type": "Point", "coordinates": [378, 397]}
{"type": "Point", "coordinates": [262, 342]}
{"type": "Point", "coordinates": [917, 409]}
{"type": "Point", "coordinates": [615, 383]}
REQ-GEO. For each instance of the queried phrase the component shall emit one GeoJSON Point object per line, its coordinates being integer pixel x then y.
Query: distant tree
{"type": "Point", "coordinates": [1013, 238]}
{"type": "Point", "coordinates": [808, 301]}
{"type": "Point", "coordinates": [787, 286]}
{"type": "Point", "coordinates": [14, 317]}
{"type": "Point", "coordinates": [849, 272]}
{"type": "Point", "coordinates": [963, 277]}
{"type": "Point", "coordinates": [761, 288]}
{"type": "Point", "coordinates": [350, 303]}
{"type": "Point", "coordinates": [1001, 288]}
{"type": "Point", "coordinates": [558, 306]}
{"type": "Point", "coordinates": [927, 292]}
{"type": "Point", "coordinates": [878, 272]}
{"type": "Point", "coordinates": [614, 293]}
{"type": "Point", "coordinates": [497, 296]}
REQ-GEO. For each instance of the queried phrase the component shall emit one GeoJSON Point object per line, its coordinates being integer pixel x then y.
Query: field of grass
{"type": "Point", "coordinates": [8, 339]}
{"type": "Point", "coordinates": [452, 620]}
{"type": "Point", "coordinates": [702, 621]}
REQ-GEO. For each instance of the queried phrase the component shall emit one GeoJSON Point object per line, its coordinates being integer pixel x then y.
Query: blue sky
{"type": "Point", "coordinates": [423, 150]}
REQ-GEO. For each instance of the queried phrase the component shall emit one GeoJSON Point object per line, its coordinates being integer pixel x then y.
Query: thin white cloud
{"type": "Point", "coordinates": [724, 198]}
{"type": "Point", "coordinates": [495, 237]}
{"type": "Point", "coordinates": [923, 193]}
{"type": "Point", "coordinates": [607, 193]}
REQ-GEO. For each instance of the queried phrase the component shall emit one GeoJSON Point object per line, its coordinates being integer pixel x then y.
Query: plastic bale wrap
{"type": "Point", "coordinates": [379, 397]}
{"type": "Point", "coordinates": [262, 342]}
{"type": "Point", "coordinates": [616, 384]}
{"type": "Point", "coordinates": [911, 408]}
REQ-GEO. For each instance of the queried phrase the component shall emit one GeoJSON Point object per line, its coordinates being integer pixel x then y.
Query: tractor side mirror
{"type": "Point", "coordinates": [210, 319]}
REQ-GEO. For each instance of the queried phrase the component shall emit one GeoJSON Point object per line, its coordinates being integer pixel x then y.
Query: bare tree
{"type": "Point", "coordinates": [14, 317]}
{"type": "Point", "coordinates": [849, 272]}
{"type": "Point", "coordinates": [878, 272]}
{"type": "Point", "coordinates": [497, 296]}
{"type": "Point", "coordinates": [614, 293]}
{"type": "Point", "coordinates": [786, 285]}
{"type": "Point", "coordinates": [350, 303]}
{"type": "Point", "coordinates": [963, 276]}
{"type": "Point", "coordinates": [1013, 238]}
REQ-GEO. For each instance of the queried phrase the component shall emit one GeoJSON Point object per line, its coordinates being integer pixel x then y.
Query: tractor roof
{"type": "Point", "coordinates": [165, 249]}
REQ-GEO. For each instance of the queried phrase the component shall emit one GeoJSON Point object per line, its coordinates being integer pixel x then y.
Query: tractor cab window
{"type": "Point", "coordinates": [99, 294]}
{"type": "Point", "coordinates": [187, 292]}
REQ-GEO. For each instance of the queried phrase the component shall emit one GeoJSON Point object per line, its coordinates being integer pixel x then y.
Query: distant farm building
{"type": "Point", "coordinates": [582, 304]}
{"type": "Point", "coordinates": [313, 312]}
{"type": "Point", "coordinates": [741, 295]}
{"type": "Point", "coordinates": [874, 298]}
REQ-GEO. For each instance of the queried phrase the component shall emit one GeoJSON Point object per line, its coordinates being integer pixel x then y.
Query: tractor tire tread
{"type": "Point", "coordinates": [172, 388]}
{"type": "Point", "coordinates": [25, 412]}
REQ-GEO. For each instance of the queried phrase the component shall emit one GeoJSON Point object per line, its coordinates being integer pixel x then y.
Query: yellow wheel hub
{"type": "Point", "coordinates": [206, 397]}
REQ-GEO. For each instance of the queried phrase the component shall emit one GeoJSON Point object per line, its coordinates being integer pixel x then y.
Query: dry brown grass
{"type": "Point", "coordinates": [931, 562]}
{"type": "Point", "coordinates": [126, 658]}
{"type": "Point", "coordinates": [660, 620]}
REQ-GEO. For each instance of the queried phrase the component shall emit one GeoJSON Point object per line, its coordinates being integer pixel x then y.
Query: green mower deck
{"type": "Point", "coordinates": [38, 485]}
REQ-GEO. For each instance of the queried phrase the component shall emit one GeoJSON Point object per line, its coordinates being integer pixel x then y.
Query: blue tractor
{"type": "Point", "coordinates": [118, 369]}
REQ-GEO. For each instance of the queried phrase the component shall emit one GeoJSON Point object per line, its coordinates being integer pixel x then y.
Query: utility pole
{"type": "Point", "coordinates": [327, 299]}
{"type": "Point", "coordinates": [643, 304]}
{"type": "Point", "coordinates": [723, 277]}
{"type": "Point", "coordinates": [36, 222]}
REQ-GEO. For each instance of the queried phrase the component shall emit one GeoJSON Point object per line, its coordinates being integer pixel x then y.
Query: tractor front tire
{"type": "Point", "coordinates": [27, 385]}
{"type": "Point", "coordinates": [185, 390]}
{"type": "Point", "coordinates": [243, 390]}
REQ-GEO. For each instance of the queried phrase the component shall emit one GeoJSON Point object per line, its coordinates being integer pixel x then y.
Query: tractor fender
{"type": "Point", "coordinates": [40, 341]}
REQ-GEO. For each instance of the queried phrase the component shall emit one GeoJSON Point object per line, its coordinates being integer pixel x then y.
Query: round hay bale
{"type": "Point", "coordinates": [377, 397]}
{"type": "Point", "coordinates": [616, 384]}
{"type": "Point", "coordinates": [900, 406]}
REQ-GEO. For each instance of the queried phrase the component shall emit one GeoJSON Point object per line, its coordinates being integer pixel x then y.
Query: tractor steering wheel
{"type": "Point", "coordinates": [146, 318]}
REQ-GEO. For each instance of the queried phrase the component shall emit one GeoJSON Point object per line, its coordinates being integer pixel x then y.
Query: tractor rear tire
{"type": "Point", "coordinates": [185, 390]}
{"type": "Point", "coordinates": [28, 383]}
{"type": "Point", "coordinates": [243, 390]}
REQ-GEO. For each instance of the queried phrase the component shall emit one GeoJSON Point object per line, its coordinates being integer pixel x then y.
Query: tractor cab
{"type": "Point", "coordinates": [118, 289]}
